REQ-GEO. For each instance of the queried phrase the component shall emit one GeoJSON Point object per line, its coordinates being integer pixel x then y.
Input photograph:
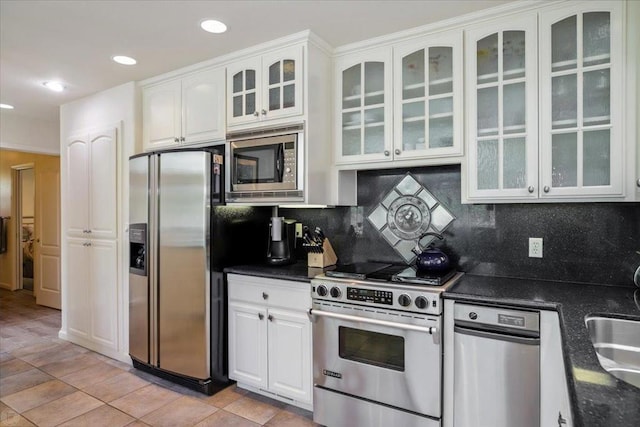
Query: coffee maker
{"type": "Point", "coordinates": [282, 240]}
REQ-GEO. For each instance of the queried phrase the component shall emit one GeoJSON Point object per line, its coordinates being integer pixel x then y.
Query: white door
{"type": "Point", "coordinates": [161, 116]}
{"type": "Point", "coordinates": [103, 181]}
{"type": "Point", "coordinates": [243, 94]}
{"type": "Point", "coordinates": [77, 179]}
{"type": "Point", "coordinates": [203, 107]}
{"type": "Point", "coordinates": [290, 354]}
{"type": "Point", "coordinates": [103, 284]}
{"type": "Point", "coordinates": [282, 84]}
{"type": "Point", "coordinates": [248, 344]}
{"type": "Point", "coordinates": [77, 292]}
{"type": "Point", "coordinates": [47, 247]}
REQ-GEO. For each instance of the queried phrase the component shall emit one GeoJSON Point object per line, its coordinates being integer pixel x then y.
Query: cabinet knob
{"type": "Point", "coordinates": [546, 188]}
{"type": "Point", "coordinates": [88, 231]}
{"type": "Point", "coordinates": [176, 139]}
{"type": "Point", "coordinates": [182, 139]}
{"type": "Point", "coordinates": [561, 420]}
{"type": "Point", "coordinates": [531, 188]}
{"type": "Point", "coordinates": [398, 151]}
{"type": "Point", "coordinates": [260, 316]}
{"type": "Point", "coordinates": [264, 112]}
{"type": "Point", "coordinates": [386, 153]}
{"type": "Point", "coordinates": [638, 182]}
{"type": "Point", "coordinates": [270, 317]}
{"type": "Point", "coordinates": [255, 113]}
{"type": "Point", "coordinates": [38, 240]}
{"type": "Point", "coordinates": [265, 295]}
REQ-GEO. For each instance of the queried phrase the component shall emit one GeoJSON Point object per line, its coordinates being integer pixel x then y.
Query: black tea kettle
{"type": "Point", "coordinates": [431, 259]}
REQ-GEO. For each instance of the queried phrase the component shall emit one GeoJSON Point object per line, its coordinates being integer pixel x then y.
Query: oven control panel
{"type": "Point", "coordinates": [370, 295]}
{"type": "Point", "coordinates": [392, 296]}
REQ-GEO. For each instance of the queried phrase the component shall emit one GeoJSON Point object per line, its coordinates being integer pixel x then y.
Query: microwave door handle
{"type": "Point", "coordinates": [280, 162]}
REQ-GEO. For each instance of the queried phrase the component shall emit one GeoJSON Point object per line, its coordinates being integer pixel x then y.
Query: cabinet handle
{"type": "Point", "coordinates": [546, 188]}
{"type": "Point", "coordinates": [531, 188]}
{"type": "Point", "coordinates": [88, 231]}
{"type": "Point", "coordinates": [176, 139]}
{"type": "Point", "coordinates": [265, 295]}
{"type": "Point", "coordinates": [182, 139]}
{"type": "Point", "coordinates": [260, 316]}
{"type": "Point", "coordinates": [264, 112]}
{"type": "Point", "coordinates": [386, 153]}
{"type": "Point", "coordinates": [255, 113]}
{"type": "Point", "coordinates": [270, 317]}
{"type": "Point", "coordinates": [398, 151]}
{"type": "Point", "coordinates": [561, 420]}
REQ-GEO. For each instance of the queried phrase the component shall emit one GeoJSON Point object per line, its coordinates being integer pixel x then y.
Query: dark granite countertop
{"type": "Point", "coordinates": [598, 398]}
{"type": "Point", "coordinates": [298, 271]}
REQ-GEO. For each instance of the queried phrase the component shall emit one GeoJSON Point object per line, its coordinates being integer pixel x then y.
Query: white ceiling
{"type": "Point", "coordinates": [73, 41]}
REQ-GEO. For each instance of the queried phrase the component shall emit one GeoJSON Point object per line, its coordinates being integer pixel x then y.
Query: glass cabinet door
{"type": "Point", "coordinates": [282, 83]}
{"type": "Point", "coordinates": [243, 95]}
{"type": "Point", "coordinates": [502, 116]}
{"type": "Point", "coordinates": [428, 91]}
{"type": "Point", "coordinates": [364, 118]}
{"type": "Point", "coordinates": [581, 142]}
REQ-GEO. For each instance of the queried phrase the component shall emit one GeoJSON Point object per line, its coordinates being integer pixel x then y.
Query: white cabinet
{"type": "Point", "coordinates": [91, 292]}
{"type": "Point", "coordinates": [363, 93]}
{"type": "Point", "coordinates": [427, 117]}
{"type": "Point", "coordinates": [265, 87]}
{"type": "Point", "coordinates": [189, 110]}
{"type": "Point", "coordinates": [545, 100]}
{"type": "Point", "coordinates": [91, 196]}
{"type": "Point", "coordinates": [270, 337]}
{"type": "Point", "coordinates": [400, 103]}
{"type": "Point", "coordinates": [581, 91]}
{"type": "Point", "coordinates": [502, 109]}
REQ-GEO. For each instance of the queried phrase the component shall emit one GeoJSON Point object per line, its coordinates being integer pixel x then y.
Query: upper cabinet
{"type": "Point", "coordinates": [570, 145]}
{"type": "Point", "coordinates": [265, 87]}
{"type": "Point", "coordinates": [182, 111]}
{"type": "Point", "coordinates": [581, 88]}
{"type": "Point", "coordinates": [502, 109]}
{"type": "Point", "coordinates": [363, 93]}
{"type": "Point", "coordinates": [400, 103]}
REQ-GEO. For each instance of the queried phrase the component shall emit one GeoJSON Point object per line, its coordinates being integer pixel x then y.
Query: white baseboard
{"type": "Point", "coordinates": [83, 342]}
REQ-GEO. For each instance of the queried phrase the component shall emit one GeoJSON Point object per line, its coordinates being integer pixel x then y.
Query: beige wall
{"type": "Point", "coordinates": [9, 158]}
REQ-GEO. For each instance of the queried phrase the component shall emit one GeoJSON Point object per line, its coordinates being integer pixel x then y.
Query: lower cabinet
{"type": "Point", "coordinates": [270, 338]}
{"type": "Point", "coordinates": [91, 297]}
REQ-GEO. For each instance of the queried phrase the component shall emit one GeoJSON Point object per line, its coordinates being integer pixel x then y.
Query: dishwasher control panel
{"type": "Point", "coordinates": [500, 317]}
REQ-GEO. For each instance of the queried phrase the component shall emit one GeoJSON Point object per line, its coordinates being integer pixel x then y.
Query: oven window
{"type": "Point", "coordinates": [372, 348]}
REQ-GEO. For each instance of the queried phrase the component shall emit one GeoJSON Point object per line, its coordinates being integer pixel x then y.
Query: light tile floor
{"type": "Point", "coordinates": [46, 381]}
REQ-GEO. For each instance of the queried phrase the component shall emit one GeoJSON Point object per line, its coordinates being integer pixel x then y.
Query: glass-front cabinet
{"type": "Point", "coordinates": [265, 87]}
{"type": "Point", "coordinates": [502, 109]}
{"type": "Point", "coordinates": [581, 88]}
{"type": "Point", "coordinates": [364, 113]}
{"type": "Point", "coordinates": [428, 97]}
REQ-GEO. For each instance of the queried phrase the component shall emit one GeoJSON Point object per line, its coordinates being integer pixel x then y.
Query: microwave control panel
{"type": "Point", "coordinates": [289, 174]}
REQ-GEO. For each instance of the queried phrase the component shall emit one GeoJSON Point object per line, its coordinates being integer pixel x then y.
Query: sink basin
{"type": "Point", "coordinates": [617, 344]}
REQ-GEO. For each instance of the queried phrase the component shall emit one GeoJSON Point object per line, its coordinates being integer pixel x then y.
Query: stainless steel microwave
{"type": "Point", "coordinates": [266, 166]}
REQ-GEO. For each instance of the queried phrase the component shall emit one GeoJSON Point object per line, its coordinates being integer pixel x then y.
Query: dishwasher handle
{"type": "Point", "coordinates": [495, 335]}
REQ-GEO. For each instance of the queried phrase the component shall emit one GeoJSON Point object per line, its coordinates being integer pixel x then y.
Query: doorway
{"type": "Point", "coordinates": [25, 198]}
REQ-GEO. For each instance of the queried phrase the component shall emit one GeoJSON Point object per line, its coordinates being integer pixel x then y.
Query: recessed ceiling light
{"type": "Point", "coordinates": [213, 26]}
{"type": "Point", "coordinates": [54, 86]}
{"type": "Point", "coordinates": [124, 60]}
{"type": "Point", "coordinates": [6, 106]}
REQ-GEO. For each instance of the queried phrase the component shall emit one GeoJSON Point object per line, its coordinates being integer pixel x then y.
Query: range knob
{"type": "Point", "coordinates": [422, 302]}
{"type": "Point", "coordinates": [322, 290]}
{"type": "Point", "coordinates": [404, 300]}
{"type": "Point", "coordinates": [335, 292]}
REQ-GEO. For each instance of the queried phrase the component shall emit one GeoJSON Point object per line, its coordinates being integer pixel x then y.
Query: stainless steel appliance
{"type": "Point", "coordinates": [497, 367]}
{"type": "Point", "coordinates": [178, 248]}
{"type": "Point", "coordinates": [377, 356]}
{"type": "Point", "coordinates": [266, 165]}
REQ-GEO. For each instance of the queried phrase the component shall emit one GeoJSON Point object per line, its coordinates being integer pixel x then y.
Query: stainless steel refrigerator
{"type": "Point", "coordinates": [178, 244]}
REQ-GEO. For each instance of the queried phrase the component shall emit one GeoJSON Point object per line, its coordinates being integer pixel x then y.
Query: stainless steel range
{"type": "Point", "coordinates": [377, 355]}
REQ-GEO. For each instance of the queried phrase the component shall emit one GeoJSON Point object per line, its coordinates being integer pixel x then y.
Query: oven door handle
{"type": "Point", "coordinates": [426, 329]}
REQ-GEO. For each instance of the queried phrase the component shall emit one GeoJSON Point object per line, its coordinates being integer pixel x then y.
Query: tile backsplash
{"type": "Point", "coordinates": [582, 242]}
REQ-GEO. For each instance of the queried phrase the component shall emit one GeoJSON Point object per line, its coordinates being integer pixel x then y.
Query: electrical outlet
{"type": "Point", "coordinates": [535, 247]}
{"type": "Point", "coordinates": [299, 230]}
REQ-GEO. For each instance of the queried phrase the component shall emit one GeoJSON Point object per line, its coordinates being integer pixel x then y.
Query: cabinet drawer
{"type": "Point", "coordinates": [269, 292]}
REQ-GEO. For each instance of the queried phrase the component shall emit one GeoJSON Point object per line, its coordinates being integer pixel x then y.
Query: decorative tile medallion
{"type": "Point", "coordinates": [407, 212]}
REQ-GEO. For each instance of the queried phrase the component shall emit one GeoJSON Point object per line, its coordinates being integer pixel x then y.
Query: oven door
{"type": "Point", "coordinates": [389, 357]}
{"type": "Point", "coordinates": [264, 164]}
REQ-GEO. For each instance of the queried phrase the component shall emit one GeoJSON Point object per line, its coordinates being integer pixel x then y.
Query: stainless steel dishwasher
{"type": "Point", "coordinates": [496, 367]}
